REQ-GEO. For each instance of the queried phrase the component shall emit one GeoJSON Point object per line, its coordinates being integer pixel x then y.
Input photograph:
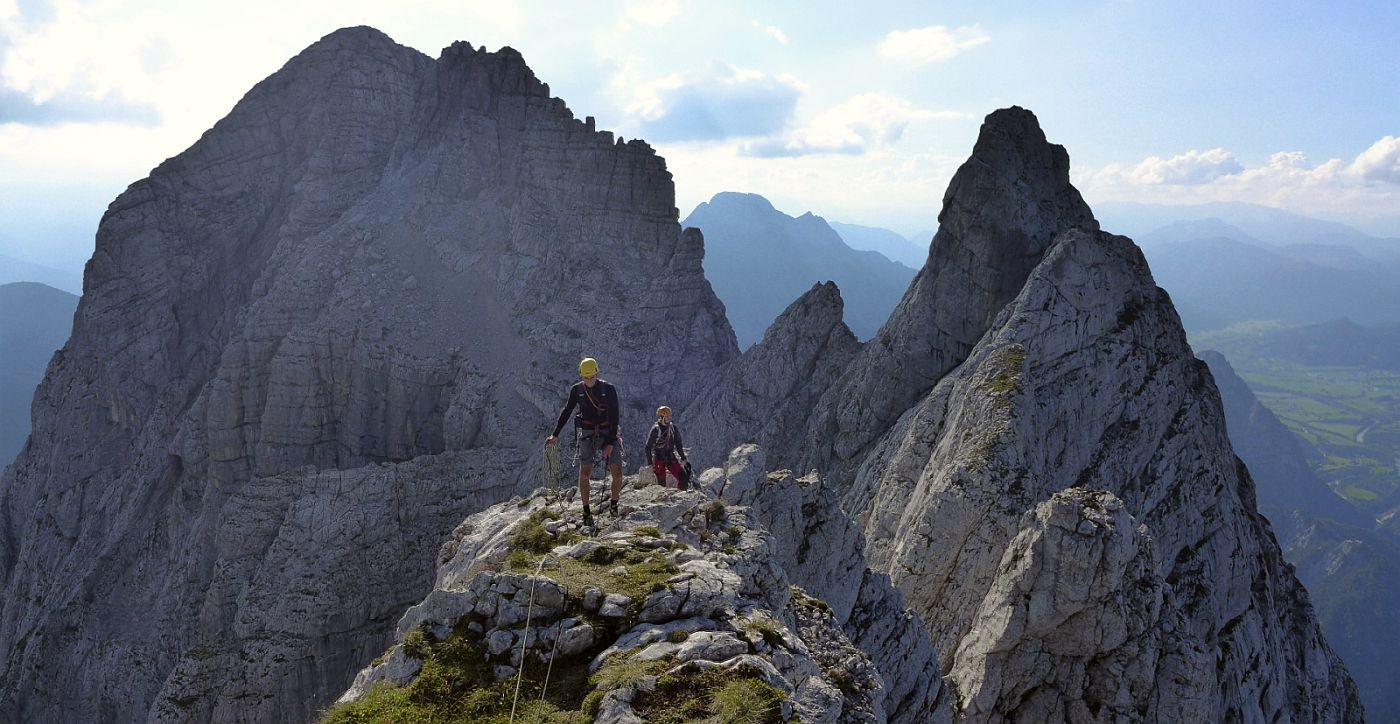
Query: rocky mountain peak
{"type": "Point", "coordinates": [359, 293]}
{"type": "Point", "coordinates": [1011, 196]}
{"type": "Point", "coordinates": [1000, 212]}
{"type": "Point", "coordinates": [360, 38]}
{"type": "Point", "coordinates": [756, 396]}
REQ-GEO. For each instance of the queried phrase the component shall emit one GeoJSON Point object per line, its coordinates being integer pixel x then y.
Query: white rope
{"type": "Point", "coordinates": [552, 651]}
{"type": "Point", "coordinates": [525, 637]}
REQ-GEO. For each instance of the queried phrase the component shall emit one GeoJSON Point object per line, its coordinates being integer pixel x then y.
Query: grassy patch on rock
{"type": "Point", "coordinates": [711, 696]}
{"type": "Point", "coordinates": [800, 598]}
{"type": "Point", "coordinates": [457, 685]}
{"type": "Point", "coordinates": [531, 536]}
{"type": "Point", "coordinates": [646, 571]}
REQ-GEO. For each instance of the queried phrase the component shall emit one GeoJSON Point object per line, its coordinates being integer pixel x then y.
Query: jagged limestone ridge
{"type": "Point", "coordinates": [1086, 383]}
{"type": "Point", "coordinates": [310, 344]}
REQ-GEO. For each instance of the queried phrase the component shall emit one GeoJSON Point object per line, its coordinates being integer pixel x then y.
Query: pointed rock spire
{"type": "Point", "coordinates": [758, 395]}
{"type": "Point", "coordinates": [1003, 207]}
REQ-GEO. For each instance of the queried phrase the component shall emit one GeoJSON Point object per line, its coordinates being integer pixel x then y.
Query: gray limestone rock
{"type": "Point", "coordinates": [311, 344]}
{"type": "Point", "coordinates": [1086, 381]}
{"type": "Point", "coordinates": [730, 610]}
{"type": "Point", "coordinates": [1001, 210]}
{"type": "Point", "coordinates": [822, 550]}
{"type": "Point", "coordinates": [756, 397]}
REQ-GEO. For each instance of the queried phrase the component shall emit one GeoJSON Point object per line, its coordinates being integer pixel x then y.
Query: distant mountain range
{"type": "Point", "coordinates": [760, 260]}
{"type": "Point", "coordinates": [1227, 263]}
{"type": "Point", "coordinates": [1219, 281]}
{"type": "Point", "coordinates": [13, 269]}
{"type": "Point", "coordinates": [906, 251]}
{"type": "Point", "coordinates": [1275, 227]}
{"type": "Point", "coordinates": [35, 320]}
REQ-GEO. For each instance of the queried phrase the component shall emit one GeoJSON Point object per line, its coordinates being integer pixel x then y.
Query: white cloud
{"type": "Point", "coordinates": [773, 31]}
{"type": "Point", "coordinates": [1380, 162]}
{"type": "Point", "coordinates": [721, 101]}
{"type": "Point", "coordinates": [1368, 186]}
{"type": "Point", "coordinates": [932, 44]}
{"type": "Point", "coordinates": [1192, 167]}
{"type": "Point", "coordinates": [653, 13]}
{"type": "Point", "coordinates": [853, 127]}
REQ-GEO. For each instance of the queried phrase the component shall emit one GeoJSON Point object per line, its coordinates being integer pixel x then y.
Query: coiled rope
{"type": "Point", "coordinates": [551, 467]}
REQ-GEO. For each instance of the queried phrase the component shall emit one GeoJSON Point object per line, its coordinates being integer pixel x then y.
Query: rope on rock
{"type": "Point", "coordinates": [525, 637]}
{"type": "Point", "coordinates": [539, 707]}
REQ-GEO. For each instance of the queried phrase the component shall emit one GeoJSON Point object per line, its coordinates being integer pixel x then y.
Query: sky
{"type": "Point", "coordinates": [859, 112]}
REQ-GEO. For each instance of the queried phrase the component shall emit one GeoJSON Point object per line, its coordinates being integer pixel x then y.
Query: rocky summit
{"type": "Point", "coordinates": [1041, 465]}
{"type": "Point", "coordinates": [683, 608]}
{"type": "Point", "coordinates": [341, 324]}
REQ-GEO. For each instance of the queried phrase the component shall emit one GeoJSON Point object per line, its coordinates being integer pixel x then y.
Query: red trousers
{"type": "Point", "coordinates": [661, 466]}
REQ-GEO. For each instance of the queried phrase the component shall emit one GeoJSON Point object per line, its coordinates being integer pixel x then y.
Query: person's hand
{"type": "Point", "coordinates": [549, 440]}
{"type": "Point", "coordinates": [607, 451]}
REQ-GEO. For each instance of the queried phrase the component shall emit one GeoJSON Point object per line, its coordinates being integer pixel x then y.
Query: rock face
{"type": "Point", "coordinates": [756, 397]}
{"type": "Point", "coordinates": [1000, 212]}
{"type": "Point", "coordinates": [705, 598]}
{"type": "Point", "coordinates": [1352, 571]}
{"type": "Point", "coordinates": [1086, 383]}
{"type": "Point", "coordinates": [821, 549]}
{"type": "Point", "coordinates": [1041, 465]}
{"type": "Point", "coordinates": [309, 345]}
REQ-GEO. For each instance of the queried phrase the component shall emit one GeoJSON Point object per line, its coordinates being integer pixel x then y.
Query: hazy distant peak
{"type": "Point", "coordinates": [741, 200]}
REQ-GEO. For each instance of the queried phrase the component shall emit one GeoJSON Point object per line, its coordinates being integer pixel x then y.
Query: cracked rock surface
{"type": "Point", "coordinates": [308, 346]}
{"type": "Point", "coordinates": [720, 604]}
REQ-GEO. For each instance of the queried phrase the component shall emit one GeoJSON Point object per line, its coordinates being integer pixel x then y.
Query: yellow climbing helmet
{"type": "Point", "coordinates": [588, 367]}
{"type": "Point", "coordinates": [663, 410]}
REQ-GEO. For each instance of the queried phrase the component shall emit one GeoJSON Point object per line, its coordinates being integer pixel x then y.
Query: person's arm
{"type": "Point", "coordinates": [568, 408]}
{"type": "Point", "coordinates": [676, 440]}
{"type": "Point", "coordinates": [651, 441]}
{"type": "Point", "coordinates": [613, 416]}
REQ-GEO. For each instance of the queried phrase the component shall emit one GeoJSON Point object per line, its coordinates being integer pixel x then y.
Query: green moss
{"type": "Point", "coordinates": [456, 684]}
{"type": "Point", "coordinates": [1006, 369]}
{"type": "Point", "coordinates": [678, 636]}
{"type": "Point", "coordinates": [768, 630]}
{"type": "Point", "coordinates": [530, 535]}
{"type": "Point", "coordinates": [714, 511]}
{"type": "Point", "coordinates": [416, 644]}
{"type": "Point", "coordinates": [800, 598]}
{"type": "Point", "coordinates": [650, 530]}
{"type": "Point", "coordinates": [712, 696]}
{"type": "Point", "coordinates": [748, 700]}
{"type": "Point", "coordinates": [621, 669]}
{"type": "Point", "coordinates": [732, 531]}
{"type": "Point", "coordinates": [644, 572]}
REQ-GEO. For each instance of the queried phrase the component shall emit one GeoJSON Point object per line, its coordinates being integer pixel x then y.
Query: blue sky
{"type": "Point", "coordinates": [857, 111]}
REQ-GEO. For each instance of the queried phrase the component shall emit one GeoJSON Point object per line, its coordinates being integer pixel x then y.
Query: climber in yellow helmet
{"type": "Point", "coordinates": [596, 422]}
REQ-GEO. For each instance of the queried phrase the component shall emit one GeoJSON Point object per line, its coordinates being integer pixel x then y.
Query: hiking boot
{"type": "Point", "coordinates": [587, 517]}
{"type": "Point", "coordinates": [612, 508]}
